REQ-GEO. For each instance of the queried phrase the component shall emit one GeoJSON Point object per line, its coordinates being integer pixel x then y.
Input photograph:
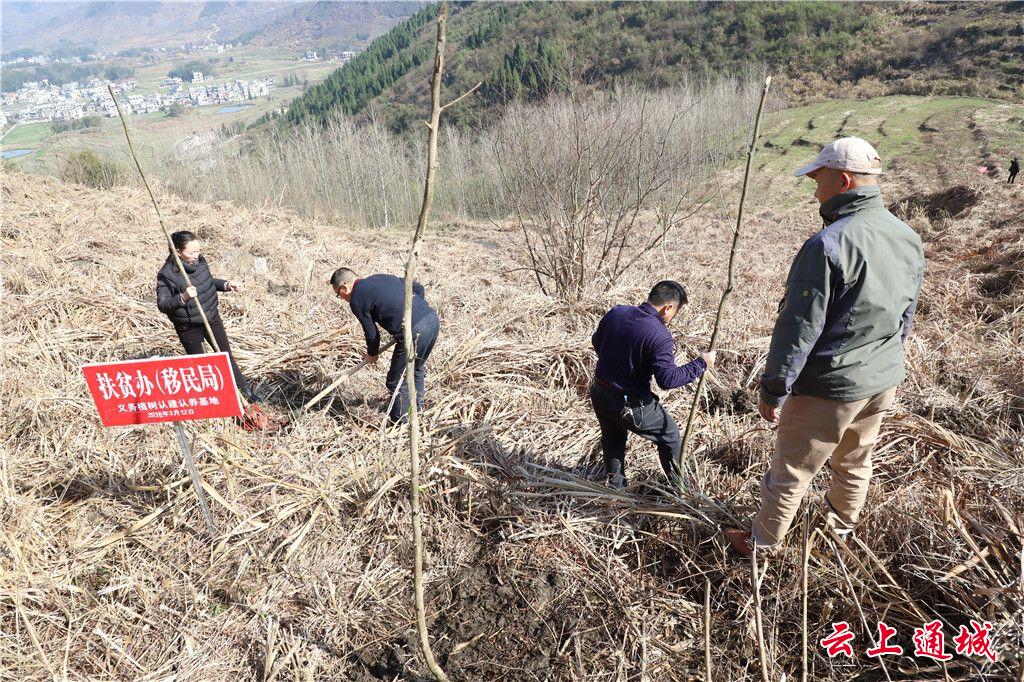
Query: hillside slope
{"type": "Point", "coordinates": [327, 24]}
{"type": "Point", "coordinates": [816, 50]}
{"type": "Point", "coordinates": [112, 26]}
{"type": "Point", "coordinates": [534, 570]}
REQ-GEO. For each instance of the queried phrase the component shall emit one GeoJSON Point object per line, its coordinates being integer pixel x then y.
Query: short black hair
{"type": "Point", "coordinates": [341, 276]}
{"type": "Point", "coordinates": [667, 291]}
{"type": "Point", "coordinates": [181, 238]}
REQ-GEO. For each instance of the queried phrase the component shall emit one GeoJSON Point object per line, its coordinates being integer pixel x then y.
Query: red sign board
{"type": "Point", "coordinates": [179, 388]}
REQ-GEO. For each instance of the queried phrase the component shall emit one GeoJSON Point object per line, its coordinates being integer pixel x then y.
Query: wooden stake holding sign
{"type": "Point", "coordinates": [175, 389]}
{"type": "Point", "coordinates": [193, 473]}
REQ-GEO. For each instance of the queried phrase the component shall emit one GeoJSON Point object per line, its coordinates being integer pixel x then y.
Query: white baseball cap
{"type": "Point", "coordinates": [848, 154]}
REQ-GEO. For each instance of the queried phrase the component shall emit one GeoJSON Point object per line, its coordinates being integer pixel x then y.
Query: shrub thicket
{"type": "Point", "coordinates": [86, 167]}
{"type": "Point", "coordinates": [80, 124]}
{"type": "Point", "coordinates": [185, 71]}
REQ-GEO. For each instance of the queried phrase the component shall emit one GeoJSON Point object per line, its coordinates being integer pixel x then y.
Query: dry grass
{"type": "Point", "coordinates": [535, 571]}
{"type": "Point", "coordinates": [363, 174]}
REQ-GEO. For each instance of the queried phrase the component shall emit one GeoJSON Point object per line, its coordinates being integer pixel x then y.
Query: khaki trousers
{"type": "Point", "coordinates": [813, 431]}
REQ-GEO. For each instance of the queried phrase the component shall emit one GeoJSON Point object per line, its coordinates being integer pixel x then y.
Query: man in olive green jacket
{"type": "Point", "coordinates": [836, 354]}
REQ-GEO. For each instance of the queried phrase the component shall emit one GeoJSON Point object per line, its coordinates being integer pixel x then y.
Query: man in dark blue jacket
{"type": "Point", "coordinates": [380, 300]}
{"type": "Point", "coordinates": [633, 344]}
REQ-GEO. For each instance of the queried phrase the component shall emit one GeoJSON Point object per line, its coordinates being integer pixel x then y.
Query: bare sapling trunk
{"type": "Point", "coordinates": [410, 344]}
{"type": "Point", "coordinates": [805, 559]}
{"type": "Point", "coordinates": [707, 629]}
{"type": "Point", "coordinates": [728, 283]}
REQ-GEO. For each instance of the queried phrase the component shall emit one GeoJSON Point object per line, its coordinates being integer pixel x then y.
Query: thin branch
{"type": "Point", "coordinates": [463, 96]}
{"type": "Point", "coordinates": [707, 629]}
{"type": "Point", "coordinates": [755, 582]}
{"type": "Point", "coordinates": [728, 284]}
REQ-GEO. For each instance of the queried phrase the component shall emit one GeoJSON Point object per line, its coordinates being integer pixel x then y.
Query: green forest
{"type": "Point", "coordinates": [367, 75]}
{"type": "Point", "coordinates": [524, 50]}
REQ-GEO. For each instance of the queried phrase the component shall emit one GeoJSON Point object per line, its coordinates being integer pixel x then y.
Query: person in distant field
{"type": "Point", "coordinates": [836, 353]}
{"type": "Point", "coordinates": [180, 303]}
{"type": "Point", "coordinates": [633, 344]}
{"type": "Point", "coordinates": [1014, 169]}
{"type": "Point", "coordinates": [380, 300]}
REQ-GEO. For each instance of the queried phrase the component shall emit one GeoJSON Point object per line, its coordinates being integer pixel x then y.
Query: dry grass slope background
{"type": "Point", "coordinates": [534, 571]}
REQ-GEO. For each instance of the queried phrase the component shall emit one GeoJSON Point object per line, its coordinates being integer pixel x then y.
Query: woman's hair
{"type": "Point", "coordinates": [181, 238]}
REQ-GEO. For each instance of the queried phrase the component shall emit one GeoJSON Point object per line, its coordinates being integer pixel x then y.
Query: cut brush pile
{"type": "Point", "coordinates": [535, 570]}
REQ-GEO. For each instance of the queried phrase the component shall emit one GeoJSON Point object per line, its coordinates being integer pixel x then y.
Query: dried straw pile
{"type": "Point", "coordinates": [534, 572]}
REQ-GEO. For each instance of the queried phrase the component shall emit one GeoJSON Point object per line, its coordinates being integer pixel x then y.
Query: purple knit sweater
{"type": "Point", "coordinates": [633, 344]}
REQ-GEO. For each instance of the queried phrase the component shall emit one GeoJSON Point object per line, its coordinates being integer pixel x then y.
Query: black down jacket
{"type": "Point", "coordinates": [170, 285]}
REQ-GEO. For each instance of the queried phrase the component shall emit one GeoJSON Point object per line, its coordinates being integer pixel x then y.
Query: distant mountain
{"type": "Point", "coordinates": [333, 24]}
{"type": "Point", "coordinates": [113, 26]}
{"type": "Point", "coordinates": [816, 50]}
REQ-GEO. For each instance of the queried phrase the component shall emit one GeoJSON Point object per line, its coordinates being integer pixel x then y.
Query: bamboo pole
{"type": "Point", "coordinates": [167, 235]}
{"type": "Point", "coordinates": [160, 217]}
{"type": "Point", "coordinates": [410, 348]}
{"type": "Point", "coordinates": [728, 285]}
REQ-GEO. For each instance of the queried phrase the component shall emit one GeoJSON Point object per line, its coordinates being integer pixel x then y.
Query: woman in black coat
{"type": "Point", "coordinates": [175, 300]}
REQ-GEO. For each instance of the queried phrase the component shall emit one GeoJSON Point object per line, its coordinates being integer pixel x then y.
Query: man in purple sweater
{"type": "Point", "coordinates": [633, 343]}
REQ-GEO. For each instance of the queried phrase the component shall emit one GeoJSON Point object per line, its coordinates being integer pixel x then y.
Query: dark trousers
{"type": "Point", "coordinates": [192, 339]}
{"type": "Point", "coordinates": [424, 335]}
{"type": "Point", "coordinates": [1013, 176]}
{"type": "Point", "coordinates": [646, 418]}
